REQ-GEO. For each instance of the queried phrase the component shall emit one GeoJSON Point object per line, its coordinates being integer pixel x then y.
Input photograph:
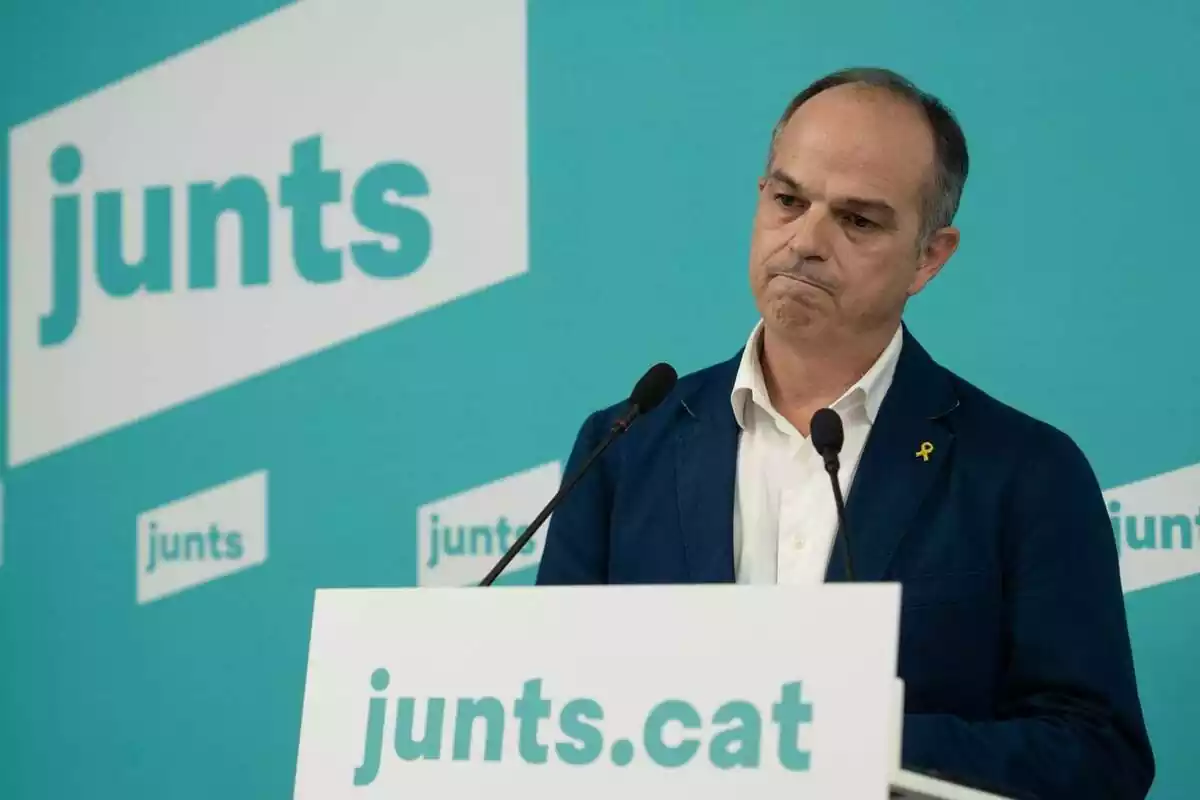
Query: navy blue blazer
{"type": "Point", "coordinates": [1014, 646]}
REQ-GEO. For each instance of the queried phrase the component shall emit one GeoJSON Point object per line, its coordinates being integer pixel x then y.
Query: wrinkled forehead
{"type": "Point", "coordinates": [853, 141]}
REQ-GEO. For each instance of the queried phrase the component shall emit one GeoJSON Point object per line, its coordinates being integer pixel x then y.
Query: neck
{"type": "Point", "coordinates": [805, 376]}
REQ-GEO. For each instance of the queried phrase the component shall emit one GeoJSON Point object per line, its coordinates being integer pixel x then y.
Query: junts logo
{"type": "Point", "coordinates": [1156, 525]}
{"type": "Point", "coordinates": [147, 270]}
{"type": "Point", "coordinates": [197, 539]}
{"type": "Point", "coordinates": [460, 537]}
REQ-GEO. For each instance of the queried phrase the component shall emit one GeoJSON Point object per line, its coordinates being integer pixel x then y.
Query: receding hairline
{"type": "Point", "coordinates": [873, 95]}
{"type": "Point", "coordinates": [950, 155]}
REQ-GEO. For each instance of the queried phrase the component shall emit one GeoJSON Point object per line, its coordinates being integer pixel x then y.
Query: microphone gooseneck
{"type": "Point", "coordinates": [650, 390]}
{"type": "Point", "coordinates": [828, 436]}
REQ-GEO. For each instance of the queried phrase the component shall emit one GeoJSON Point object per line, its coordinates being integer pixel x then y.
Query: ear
{"type": "Point", "coordinates": [937, 252]}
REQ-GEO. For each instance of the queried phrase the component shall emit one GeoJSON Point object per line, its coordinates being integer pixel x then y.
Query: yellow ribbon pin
{"type": "Point", "coordinates": [926, 449]}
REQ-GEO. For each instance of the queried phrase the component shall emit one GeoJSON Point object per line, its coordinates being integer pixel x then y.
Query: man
{"type": "Point", "coordinates": [1014, 644]}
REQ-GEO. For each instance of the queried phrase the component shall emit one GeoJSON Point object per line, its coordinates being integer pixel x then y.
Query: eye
{"type": "Point", "coordinates": [787, 200]}
{"type": "Point", "coordinates": [860, 222]}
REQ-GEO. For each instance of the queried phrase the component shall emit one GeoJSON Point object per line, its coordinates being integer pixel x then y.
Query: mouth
{"type": "Point", "coordinates": [806, 280]}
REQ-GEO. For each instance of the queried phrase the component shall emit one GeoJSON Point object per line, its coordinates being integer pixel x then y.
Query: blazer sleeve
{"type": "Point", "coordinates": [1069, 722]}
{"type": "Point", "coordinates": [576, 546]}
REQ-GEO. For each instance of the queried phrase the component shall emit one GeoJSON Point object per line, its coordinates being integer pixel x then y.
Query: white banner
{"type": "Point", "coordinates": [587, 692]}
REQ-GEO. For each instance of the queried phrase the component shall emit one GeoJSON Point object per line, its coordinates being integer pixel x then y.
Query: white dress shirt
{"type": "Point", "coordinates": [784, 514]}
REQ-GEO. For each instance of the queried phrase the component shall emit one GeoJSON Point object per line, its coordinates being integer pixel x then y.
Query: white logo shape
{"type": "Point", "coordinates": [323, 172]}
{"type": "Point", "coordinates": [208, 535]}
{"type": "Point", "coordinates": [460, 538]}
{"type": "Point", "coordinates": [1156, 523]}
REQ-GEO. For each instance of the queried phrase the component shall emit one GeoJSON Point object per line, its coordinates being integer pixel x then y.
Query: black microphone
{"type": "Point", "coordinates": [827, 436]}
{"type": "Point", "coordinates": [650, 390]}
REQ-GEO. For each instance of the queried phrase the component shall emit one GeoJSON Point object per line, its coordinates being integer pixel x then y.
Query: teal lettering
{"type": "Point", "coordinates": [1167, 531]}
{"type": "Point", "coordinates": [530, 709]}
{"type": "Point", "coordinates": [403, 246]}
{"type": "Point", "coordinates": [588, 742]}
{"type": "Point", "coordinates": [365, 773]}
{"type": "Point", "coordinates": [789, 714]}
{"type": "Point", "coordinates": [457, 549]}
{"type": "Point", "coordinates": [503, 531]}
{"type": "Point", "coordinates": [666, 712]}
{"type": "Point", "coordinates": [214, 541]}
{"type": "Point", "coordinates": [246, 199]}
{"type": "Point", "coordinates": [152, 540]}
{"type": "Point", "coordinates": [305, 190]}
{"type": "Point", "coordinates": [193, 546]}
{"type": "Point", "coordinates": [158, 551]}
{"type": "Point", "coordinates": [66, 164]}
{"type": "Point", "coordinates": [484, 533]}
{"type": "Point", "coordinates": [622, 752]}
{"type": "Point", "coordinates": [433, 542]}
{"type": "Point", "coordinates": [409, 226]}
{"type": "Point", "coordinates": [1145, 539]}
{"type": "Point", "coordinates": [491, 711]}
{"type": "Point", "coordinates": [117, 277]}
{"type": "Point", "coordinates": [1180, 523]}
{"type": "Point", "coordinates": [173, 553]}
{"type": "Point", "coordinates": [430, 746]}
{"type": "Point", "coordinates": [1135, 539]}
{"type": "Point", "coordinates": [446, 541]}
{"type": "Point", "coordinates": [738, 745]}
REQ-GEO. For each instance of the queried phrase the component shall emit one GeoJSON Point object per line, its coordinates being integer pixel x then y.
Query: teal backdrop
{"type": "Point", "coordinates": [1072, 297]}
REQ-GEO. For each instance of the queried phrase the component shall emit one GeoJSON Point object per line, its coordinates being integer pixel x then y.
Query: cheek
{"type": "Point", "coordinates": [766, 242]}
{"type": "Point", "coordinates": [762, 245]}
{"type": "Point", "coordinates": [869, 273]}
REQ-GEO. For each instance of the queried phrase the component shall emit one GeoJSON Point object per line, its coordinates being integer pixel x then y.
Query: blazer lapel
{"type": "Point", "coordinates": [706, 471]}
{"type": "Point", "coordinates": [906, 454]}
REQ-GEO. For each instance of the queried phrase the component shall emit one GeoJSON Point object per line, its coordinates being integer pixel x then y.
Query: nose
{"type": "Point", "coordinates": [808, 235]}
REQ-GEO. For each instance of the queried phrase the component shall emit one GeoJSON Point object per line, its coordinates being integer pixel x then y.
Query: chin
{"type": "Point", "coordinates": [793, 317]}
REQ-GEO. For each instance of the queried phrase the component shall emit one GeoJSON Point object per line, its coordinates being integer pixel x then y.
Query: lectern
{"type": "Point", "coordinates": [704, 692]}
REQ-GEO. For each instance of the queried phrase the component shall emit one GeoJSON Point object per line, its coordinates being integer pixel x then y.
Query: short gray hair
{"type": "Point", "coordinates": [950, 145]}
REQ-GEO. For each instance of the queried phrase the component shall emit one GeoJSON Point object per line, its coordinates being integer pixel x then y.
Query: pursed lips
{"type": "Point", "coordinates": [805, 279]}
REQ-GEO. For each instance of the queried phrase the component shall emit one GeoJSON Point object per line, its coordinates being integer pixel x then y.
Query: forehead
{"type": "Point", "coordinates": [853, 140]}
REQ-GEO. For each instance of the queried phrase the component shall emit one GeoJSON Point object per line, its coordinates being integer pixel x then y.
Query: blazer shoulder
{"type": "Point", "coordinates": [702, 390]}
{"type": "Point", "coordinates": [1003, 428]}
{"type": "Point", "coordinates": [699, 396]}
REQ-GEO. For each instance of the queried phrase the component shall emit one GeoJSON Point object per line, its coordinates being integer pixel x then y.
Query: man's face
{"type": "Point", "coordinates": [835, 249]}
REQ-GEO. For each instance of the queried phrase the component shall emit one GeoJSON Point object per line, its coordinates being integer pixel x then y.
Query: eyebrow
{"type": "Point", "coordinates": [857, 204]}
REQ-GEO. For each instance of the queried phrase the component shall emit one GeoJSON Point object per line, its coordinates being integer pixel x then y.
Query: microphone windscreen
{"type": "Point", "coordinates": [826, 431]}
{"type": "Point", "coordinates": [653, 387]}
